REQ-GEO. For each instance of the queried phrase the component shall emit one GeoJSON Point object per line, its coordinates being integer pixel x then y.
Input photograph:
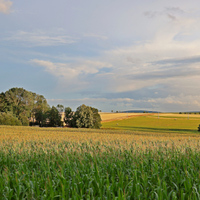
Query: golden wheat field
{"type": "Point", "coordinates": [105, 116]}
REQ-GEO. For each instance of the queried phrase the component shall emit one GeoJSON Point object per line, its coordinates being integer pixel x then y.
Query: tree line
{"type": "Point", "coordinates": [21, 107]}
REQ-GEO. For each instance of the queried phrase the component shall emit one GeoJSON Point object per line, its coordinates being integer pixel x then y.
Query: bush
{"type": "Point", "coordinates": [199, 128]}
{"type": "Point", "coordinates": [9, 119]}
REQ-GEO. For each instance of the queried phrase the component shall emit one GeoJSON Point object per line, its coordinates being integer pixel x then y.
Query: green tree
{"type": "Point", "coordinates": [87, 117]}
{"type": "Point", "coordinates": [60, 108]}
{"type": "Point", "coordinates": [54, 117]}
{"type": "Point", "coordinates": [24, 120]}
{"type": "Point", "coordinates": [69, 117]}
{"type": "Point", "coordinates": [23, 104]}
{"type": "Point", "coordinates": [84, 117]}
{"type": "Point", "coordinates": [96, 118]}
{"type": "Point", "coordinates": [18, 101]}
{"type": "Point", "coordinates": [9, 119]}
{"type": "Point", "coordinates": [41, 117]}
{"type": "Point", "coordinates": [40, 110]}
{"type": "Point", "coordinates": [3, 103]}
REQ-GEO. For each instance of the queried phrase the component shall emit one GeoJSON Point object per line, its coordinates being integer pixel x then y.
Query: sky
{"type": "Point", "coordinates": [109, 54]}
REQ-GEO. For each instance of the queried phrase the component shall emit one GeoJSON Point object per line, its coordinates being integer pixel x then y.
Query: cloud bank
{"type": "Point", "coordinates": [74, 76]}
{"type": "Point", "coordinates": [167, 66]}
{"type": "Point", "coordinates": [40, 38]}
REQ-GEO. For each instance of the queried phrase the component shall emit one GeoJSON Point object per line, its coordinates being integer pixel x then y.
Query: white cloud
{"type": "Point", "coordinates": [41, 38]}
{"type": "Point", "coordinates": [71, 70]}
{"type": "Point", "coordinates": [73, 75]}
{"type": "Point", "coordinates": [5, 6]}
{"type": "Point", "coordinates": [180, 102]}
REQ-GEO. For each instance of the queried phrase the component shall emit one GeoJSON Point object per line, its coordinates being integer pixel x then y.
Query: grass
{"type": "Point", "coordinates": [156, 124]}
{"type": "Point", "coordinates": [140, 158]}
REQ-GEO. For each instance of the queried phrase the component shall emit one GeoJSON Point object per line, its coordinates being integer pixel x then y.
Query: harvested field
{"type": "Point", "coordinates": [119, 116]}
{"type": "Point", "coordinates": [176, 115]}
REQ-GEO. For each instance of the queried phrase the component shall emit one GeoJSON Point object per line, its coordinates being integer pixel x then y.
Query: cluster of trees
{"type": "Point", "coordinates": [21, 107]}
{"type": "Point", "coordinates": [21, 104]}
{"type": "Point", "coordinates": [84, 117]}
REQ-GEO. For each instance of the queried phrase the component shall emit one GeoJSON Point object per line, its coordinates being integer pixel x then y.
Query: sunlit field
{"type": "Point", "coordinates": [141, 157]}
{"type": "Point", "coordinates": [165, 122]}
{"type": "Point", "coordinates": [119, 116]}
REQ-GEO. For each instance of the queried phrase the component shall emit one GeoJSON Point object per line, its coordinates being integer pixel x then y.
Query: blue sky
{"type": "Point", "coordinates": [112, 55]}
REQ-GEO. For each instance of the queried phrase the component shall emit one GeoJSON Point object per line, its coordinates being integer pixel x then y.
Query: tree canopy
{"type": "Point", "coordinates": [54, 117]}
{"type": "Point", "coordinates": [22, 103]}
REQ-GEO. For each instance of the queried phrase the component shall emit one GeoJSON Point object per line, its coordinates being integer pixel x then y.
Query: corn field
{"type": "Point", "coordinates": [87, 164]}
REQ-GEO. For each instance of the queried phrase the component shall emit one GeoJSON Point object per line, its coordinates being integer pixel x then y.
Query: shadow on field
{"type": "Point", "coordinates": [164, 130]}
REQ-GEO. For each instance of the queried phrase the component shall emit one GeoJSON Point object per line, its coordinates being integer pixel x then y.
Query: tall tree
{"type": "Point", "coordinates": [40, 109]}
{"type": "Point", "coordinates": [69, 120]}
{"type": "Point", "coordinates": [60, 108]}
{"type": "Point", "coordinates": [84, 117]}
{"type": "Point", "coordinates": [54, 117]}
{"type": "Point", "coordinates": [41, 117]}
{"type": "Point", "coordinates": [3, 103]}
{"type": "Point", "coordinates": [96, 118]}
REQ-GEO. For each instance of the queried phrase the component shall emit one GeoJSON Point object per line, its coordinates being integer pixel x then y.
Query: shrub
{"type": "Point", "coordinates": [199, 128]}
{"type": "Point", "coordinates": [9, 119]}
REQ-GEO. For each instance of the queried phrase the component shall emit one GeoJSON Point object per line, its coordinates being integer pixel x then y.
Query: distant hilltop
{"type": "Point", "coordinates": [139, 111]}
{"type": "Point", "coordinates": [150, 111]}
